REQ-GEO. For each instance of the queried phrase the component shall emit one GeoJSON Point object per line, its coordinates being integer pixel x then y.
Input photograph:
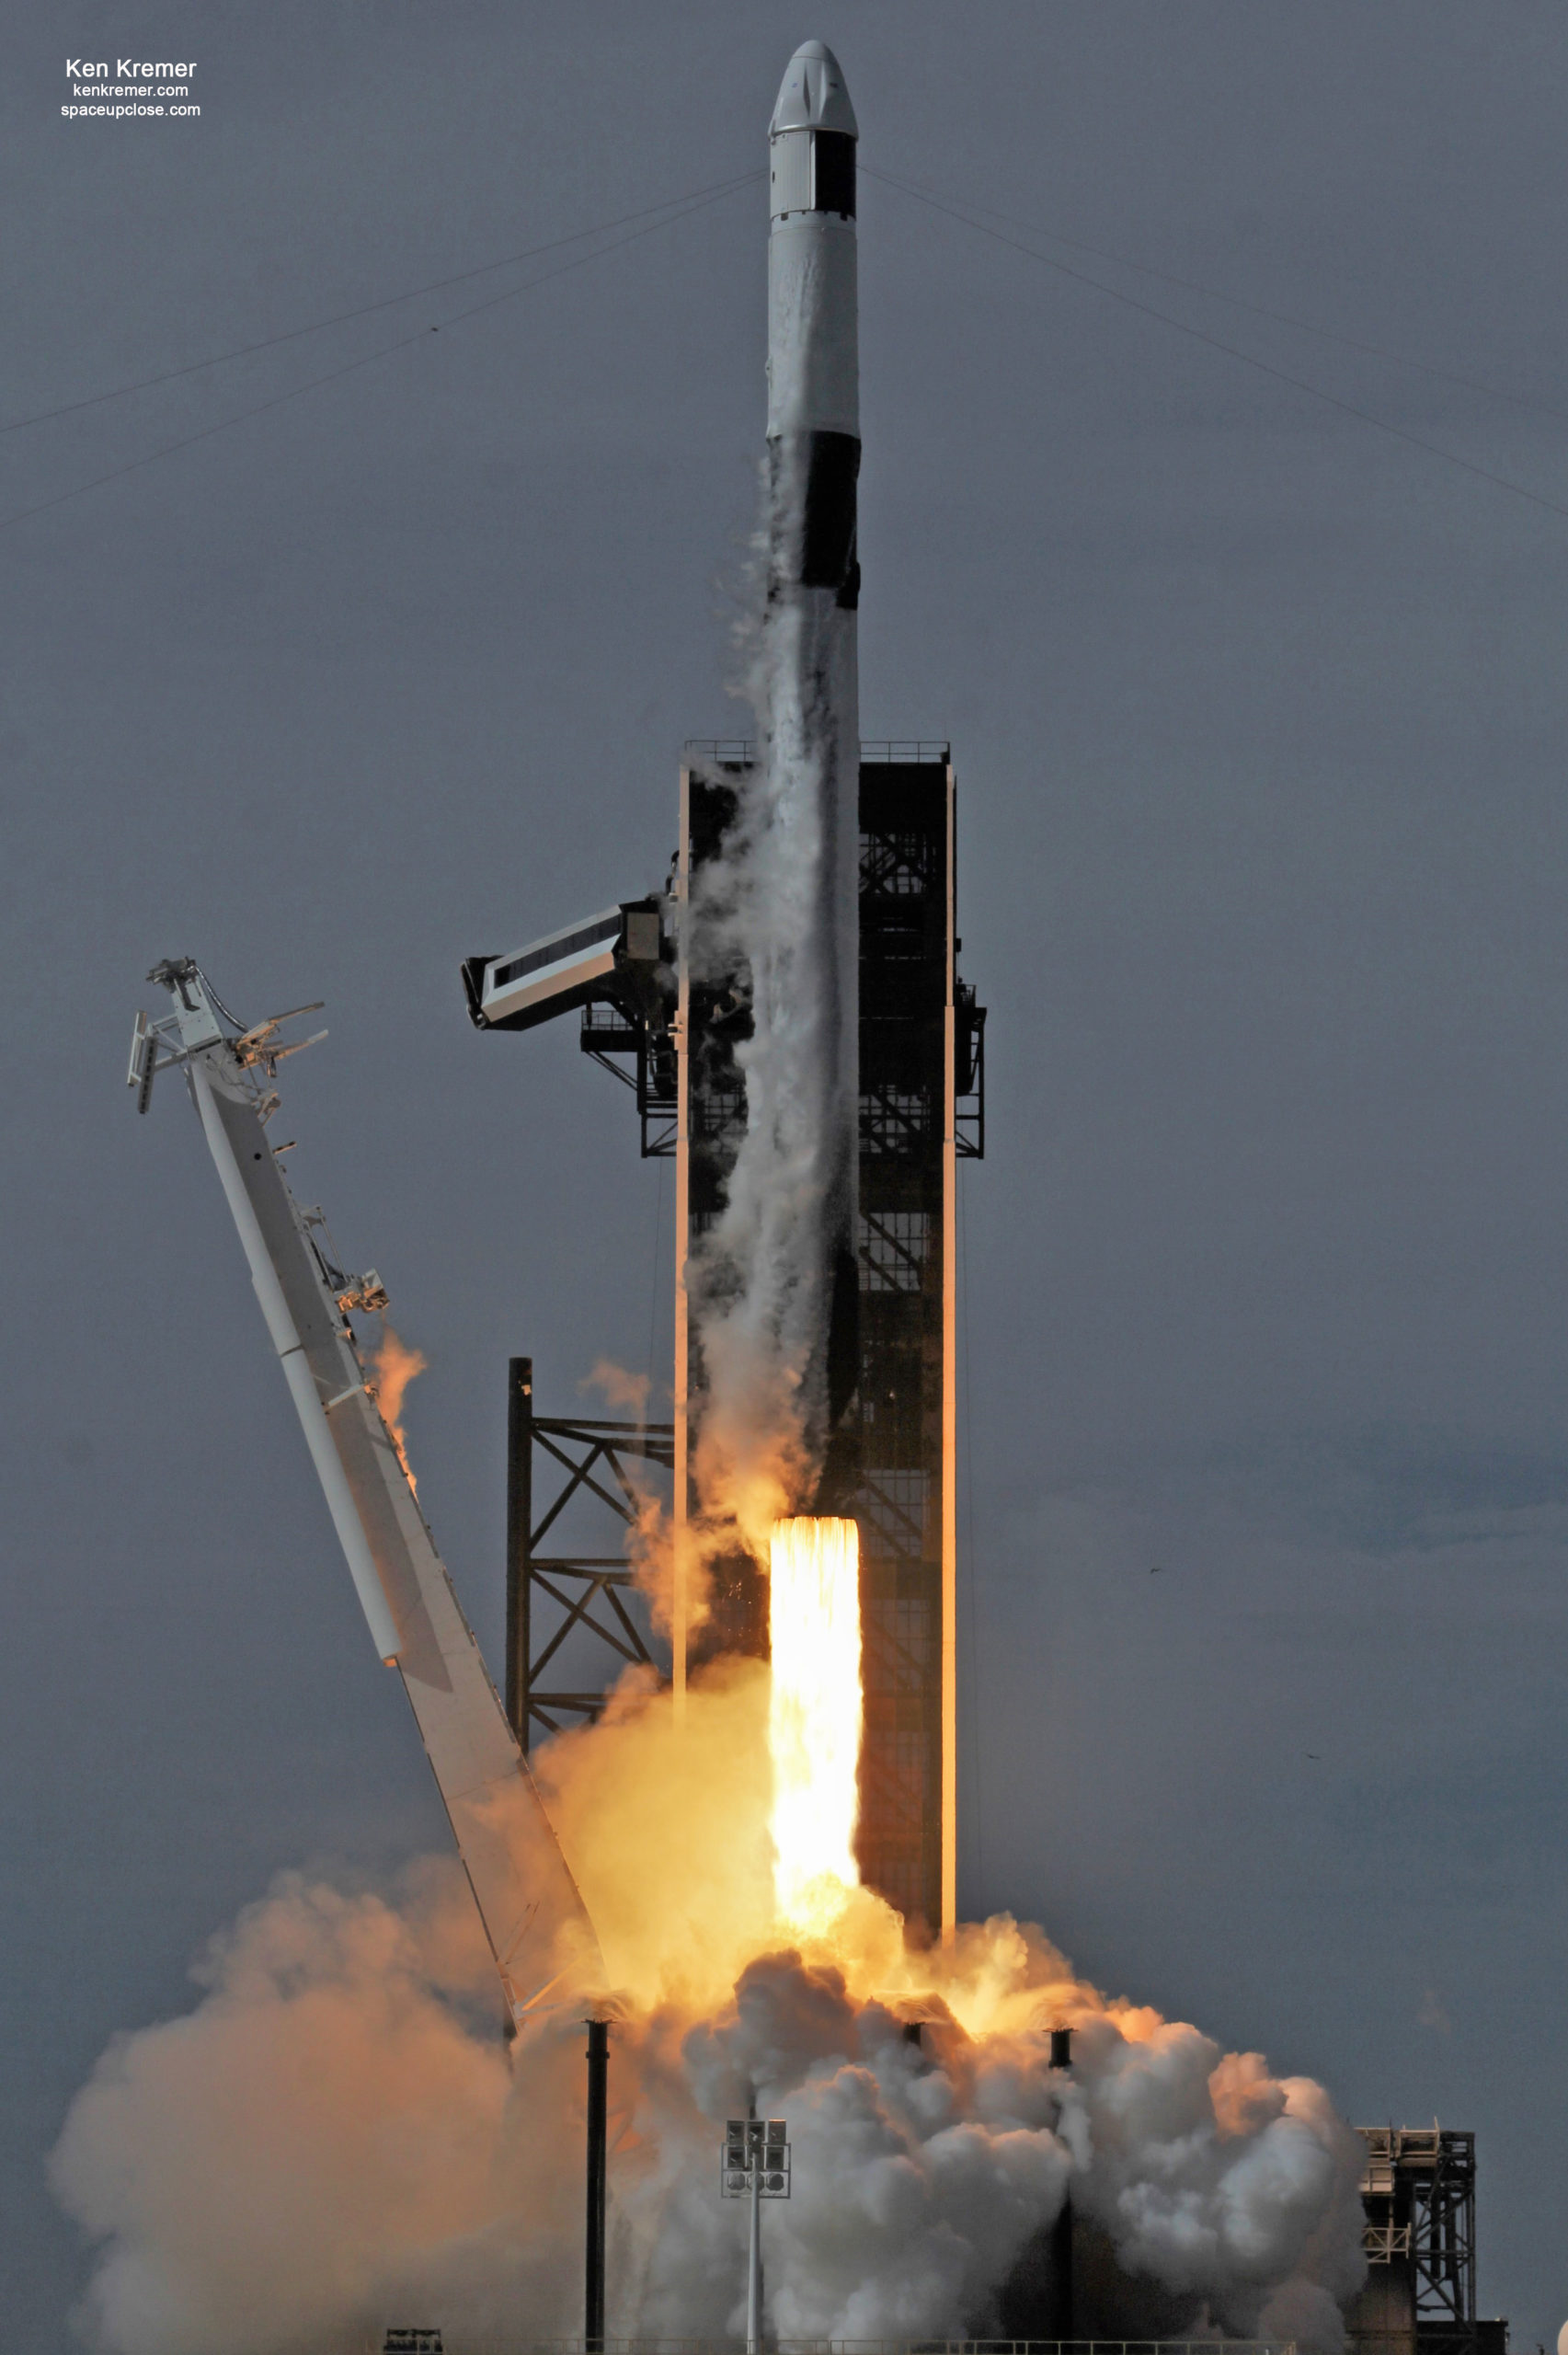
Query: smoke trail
{"type": "Point", "coordinates": [261, 2169]}
{"type": "Point", "coordinates": [622, 1392]}
{"type": "Point", "coordinates": [334, 2140]}
{"type": "Point", "coordinates": [778, 912]}
{"type": "Point", "coordinates": [393, 1368]}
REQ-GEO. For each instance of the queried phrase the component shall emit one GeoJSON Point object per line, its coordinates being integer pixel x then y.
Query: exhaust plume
{"type": "Point", "coordinates": [334, 2138]}
{"type": "Point", "coordinates": [777, 914]}
{"type": "Point", "coordinates": [814, 1715]}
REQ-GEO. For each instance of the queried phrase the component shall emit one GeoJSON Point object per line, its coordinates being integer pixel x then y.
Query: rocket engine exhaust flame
{"type": "Point", "coordinates": [334, 2138]}
{"type": "Point", "coordinates": [814, 1716]}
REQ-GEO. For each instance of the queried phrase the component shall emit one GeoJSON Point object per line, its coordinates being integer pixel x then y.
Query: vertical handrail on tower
{"type": "Point", "coordinates": [950, 1387]}
{"type": "Point", "coordinates": [680, 1568]}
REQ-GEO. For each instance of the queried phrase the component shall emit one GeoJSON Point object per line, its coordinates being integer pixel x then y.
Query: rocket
{"type": "Point", "coordinates": [741, 983]}
{"type": "Point", "coordinates": [810, 705]}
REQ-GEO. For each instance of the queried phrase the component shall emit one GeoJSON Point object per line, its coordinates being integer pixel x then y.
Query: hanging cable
{"type": "Point", "coordinates": [387, 303]}
{"type": "Point", "coordinates": [1241, 302]}
{"type": "Point", "coordinates": [1231, 350]}
{"type": "Point", "coordinates": [401, 343]}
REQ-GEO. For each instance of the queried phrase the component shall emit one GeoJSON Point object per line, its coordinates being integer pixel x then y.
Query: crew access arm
{"type": "Point", "coordinates": [532, 1912]}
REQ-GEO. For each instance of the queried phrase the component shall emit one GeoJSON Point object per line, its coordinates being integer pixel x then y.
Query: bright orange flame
{"type": "Point", "coordinates": [393, 1368]}
{"type": "Point", "coordinates": [814, 1716]}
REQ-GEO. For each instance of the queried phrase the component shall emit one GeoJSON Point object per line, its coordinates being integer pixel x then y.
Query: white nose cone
{"type": "Point", "coordinates": [813, 95]}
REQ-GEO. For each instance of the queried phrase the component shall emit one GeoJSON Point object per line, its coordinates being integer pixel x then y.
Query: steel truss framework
{"type": "Point", "coordinates": [902, 863]}
{"type": "Point", "coordinates": [1419, 2196]}
{"type": "Point", "coordinates": [916, 1081]}
{"type": "Point", "coordinates": [921, 1111]}
{"type": "Point", "coordinates": [553, 1460]}
{"type": "Point", "coordinates": [612, 1042]}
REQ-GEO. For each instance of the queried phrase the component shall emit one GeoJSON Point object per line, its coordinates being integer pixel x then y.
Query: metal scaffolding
{"type": "Point", "coordinates": [613, 1041]}
{"type": "Point", "coordinates": [1418, 2192]}
{"type": "Point", "coordinates": [893, 1462]}
{"type": "Point", "coordinates": [674, 1038]}
{"type": "Point", "coordinates": [553, 1460]}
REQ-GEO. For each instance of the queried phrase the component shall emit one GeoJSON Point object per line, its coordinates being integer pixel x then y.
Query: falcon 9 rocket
{"type": "Point", "coordinates": [805, 994]}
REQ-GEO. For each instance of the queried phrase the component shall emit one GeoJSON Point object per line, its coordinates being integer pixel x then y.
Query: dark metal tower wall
{"type": "Point", "coordinates": [906, 961]}
{"type": "Point", "coordinates": [569, 1632]}
{"type": "Point", "coordinates": [895, 1467]}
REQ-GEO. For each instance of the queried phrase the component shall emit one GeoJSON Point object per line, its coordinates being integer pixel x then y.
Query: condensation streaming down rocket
{"type": "Point", "coordinates": [810, 702]}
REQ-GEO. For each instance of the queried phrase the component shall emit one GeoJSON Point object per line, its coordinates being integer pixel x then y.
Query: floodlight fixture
{"type": "Point", "coordinates": [755, 2165]}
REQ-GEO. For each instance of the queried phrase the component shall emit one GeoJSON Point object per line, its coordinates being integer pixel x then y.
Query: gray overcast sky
{"type": "Point", "coordinates": [1259, 717]}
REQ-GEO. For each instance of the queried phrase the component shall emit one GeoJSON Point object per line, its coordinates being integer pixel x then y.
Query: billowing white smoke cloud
{"type": "Point", "coordinates": [255, 2169]}
{"type": "Point", "coordinates": [780, 907]}
{"type": "Point", "coordinates": [335, 2140]}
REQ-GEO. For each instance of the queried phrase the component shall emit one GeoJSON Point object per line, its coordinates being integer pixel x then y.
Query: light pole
{"type": "Point", "coordinates": [1061, 2231]}
{"type": "Point", "coordinates": [756, 2167]}
{"type": "Point", "coordinates": [597, 2168]}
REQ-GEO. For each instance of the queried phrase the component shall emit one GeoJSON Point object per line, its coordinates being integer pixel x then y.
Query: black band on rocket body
{"type": "Point", "coordinates": [832, 173]}
{"type": "Point", "coordinates": [826, 543]}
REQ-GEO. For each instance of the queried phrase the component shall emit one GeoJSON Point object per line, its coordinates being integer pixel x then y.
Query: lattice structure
{"type": "Point", "coordinates": [921, 1111]}
{"type": "Point", "coordinates": [1418, 2192]}
{"type": "Point", "coordinates": [907, 1155]}
{"type": "Point", "coordinates": [644, 1062]}
{"type": "Point", "coordinates": [893, 1461]}
{"type": "Point", "coordinates": [561, 1605]}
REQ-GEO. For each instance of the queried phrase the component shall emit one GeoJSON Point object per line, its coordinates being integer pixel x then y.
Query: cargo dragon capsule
{"type": "Point", "coordinates": [813, 330]}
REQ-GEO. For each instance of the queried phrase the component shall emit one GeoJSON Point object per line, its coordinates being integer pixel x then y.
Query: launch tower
{"type": "Point", "coordinates": [807, 937]}
{"type": "Point", "coordinates": [921, 1112]}
{"type": "Point", "coordinates": [1418, 2192]}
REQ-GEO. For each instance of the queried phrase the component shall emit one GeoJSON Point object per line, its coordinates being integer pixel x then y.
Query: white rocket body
{"type": "Point", "coordinates": [810, 752]}
{"type": "Point", "coordinates": [813, 310]}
